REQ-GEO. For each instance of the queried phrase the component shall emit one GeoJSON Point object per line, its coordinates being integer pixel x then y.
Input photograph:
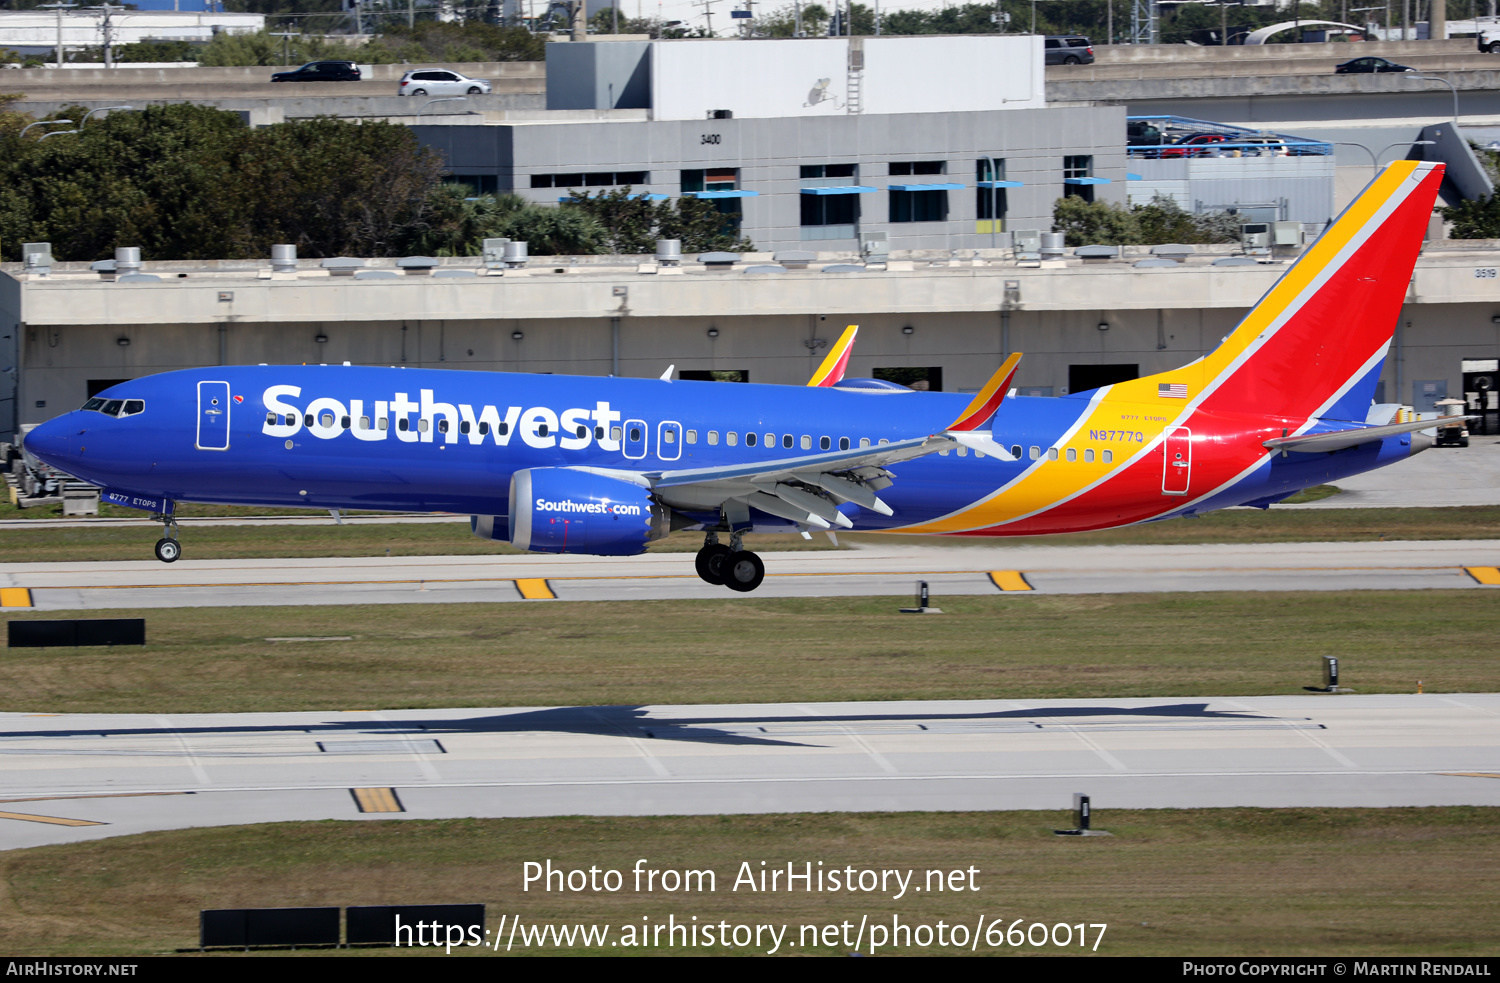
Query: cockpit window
{"type": "Point", "coordinates": [116, 407]}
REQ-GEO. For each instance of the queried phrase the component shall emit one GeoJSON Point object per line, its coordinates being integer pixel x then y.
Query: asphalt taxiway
{"type": "Point", "coordinates": [883, 569]}
{"type": "Point", "coordinates": [75, 777]}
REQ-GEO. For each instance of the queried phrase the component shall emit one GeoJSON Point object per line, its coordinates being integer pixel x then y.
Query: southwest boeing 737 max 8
{"type": "Point", "coordinates": [604, 466]}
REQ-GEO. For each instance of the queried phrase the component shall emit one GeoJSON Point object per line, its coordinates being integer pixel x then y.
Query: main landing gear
{"type": "Point", "coordinates": [168, 549]}
{"type": "Point", "coordinates": [732, 566]}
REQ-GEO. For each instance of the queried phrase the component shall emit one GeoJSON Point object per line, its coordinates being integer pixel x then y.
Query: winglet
{"type": "Point", "coordinates": [987, 400]}
{"type": "Point", "coordinates": [833, 367]}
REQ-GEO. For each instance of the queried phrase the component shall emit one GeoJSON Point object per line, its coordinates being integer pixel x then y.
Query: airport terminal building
{"type": "Point", "coordinates": [937, 142]}
{"type": "Point", "coordinates": [946, 321]}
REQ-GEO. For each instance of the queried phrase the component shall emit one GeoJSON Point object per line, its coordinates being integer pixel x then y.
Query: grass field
{"type": "Point", "coordinates": [1241, 882]}
{"type": "Point", "coordinates": [750, 650]}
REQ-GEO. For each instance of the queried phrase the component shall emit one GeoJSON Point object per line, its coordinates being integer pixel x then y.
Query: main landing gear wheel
{"type": "Point", "coordinates": [168, 550]}
{"type": "Point", "coordinates": [710, 563]}
{"type": "Point", "coordinates": [743, 571]}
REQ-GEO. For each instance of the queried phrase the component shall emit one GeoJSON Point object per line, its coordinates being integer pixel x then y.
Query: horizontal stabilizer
{"type": "Point", "coordinates": [1336, 440]}
{"type": "Point", "coordinates": [987, 400]}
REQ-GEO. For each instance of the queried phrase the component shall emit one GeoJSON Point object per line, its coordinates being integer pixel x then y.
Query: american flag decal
{"type": "Point", "coordinates": [1172, 390]}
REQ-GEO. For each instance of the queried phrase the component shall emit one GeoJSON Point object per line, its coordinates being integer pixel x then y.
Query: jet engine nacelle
{"type": "Point", "coordinates": [569, 510]}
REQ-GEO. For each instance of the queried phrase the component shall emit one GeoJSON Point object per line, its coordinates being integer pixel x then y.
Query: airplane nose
{"type": "Point", "coordinates": [54, 442]}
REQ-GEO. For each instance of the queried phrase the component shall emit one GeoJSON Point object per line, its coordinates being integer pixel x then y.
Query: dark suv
{"type": "Point", "coordinates": [321, 71]}
{"type": "Point", "coordinates": [1069, 49]}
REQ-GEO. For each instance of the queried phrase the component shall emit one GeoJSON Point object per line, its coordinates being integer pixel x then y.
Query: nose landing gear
{"type": "Point", "coordinates": [731, 566]}
{"type": "Point", "coordinates": [168, 549]}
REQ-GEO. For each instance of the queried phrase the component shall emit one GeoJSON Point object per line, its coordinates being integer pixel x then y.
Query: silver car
{"type": "Point", "coordinates": [440, 82]}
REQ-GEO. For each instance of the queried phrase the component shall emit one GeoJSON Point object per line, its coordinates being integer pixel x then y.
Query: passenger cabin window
{"type": "Point", "coordinates": [692, 436]}
{"type": "Point", "coordinates": [713, 437]}
{"type": "Point", "coordinates": [614, 432]}
{"type": "Point", "coordinates": [1015, 451]}
{"type": "Point", "coordinates": [1035, 452]}
{"type": "Point", "coordinates": [749, 440]}
{"type": "Point", "coordinates": [731, 438]}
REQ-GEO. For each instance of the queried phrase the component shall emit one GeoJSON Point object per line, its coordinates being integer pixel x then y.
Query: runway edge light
{"type": "Point", "coordinates": [1082, 818]}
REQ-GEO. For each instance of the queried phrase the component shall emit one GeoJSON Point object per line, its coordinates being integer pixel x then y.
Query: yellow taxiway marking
{"type": "Point", "coordinates": [535, 589]}
{"type": "Point", "coordinates": [377, 800]}
{"type": "Point", "coordinates": [1490, 576]}
{"type": "Point", "coordinates": [95, 795]}
{"type": "Point", "coordinates": [15, 597]}
{"type": "Point", "coordinates": [1009, 580]}
{"type": "Point", "coordinates": [1470, 774]}
{"type": "Point", "coordinates": [54, 820]}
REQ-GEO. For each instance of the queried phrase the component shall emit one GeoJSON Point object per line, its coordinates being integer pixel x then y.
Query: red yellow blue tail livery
{"type": "Point", "coordinates": [604, 466]}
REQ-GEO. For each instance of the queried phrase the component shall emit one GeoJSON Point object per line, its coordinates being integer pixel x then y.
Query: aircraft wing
{"type": "Point", "coordinates": [808, 488]}
{"type": "Point", "coordinates": [1335, 440]}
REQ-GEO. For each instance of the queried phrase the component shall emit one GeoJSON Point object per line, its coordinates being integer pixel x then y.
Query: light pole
{"type": "Point", "coordinates": [1375, 157]}
{"type": "Point", "coordinates": [285, 39]}
{"type": "Point", "coordinates": [44, 122]}
{"type": "Point", "coordinates": [429, 102]}
{"type": "Point", "coordinates": [1434, 78]}
{"type": "Point", "coordinates": [101, 109]}
{"type": "Point", "coordinates": [59, 7]}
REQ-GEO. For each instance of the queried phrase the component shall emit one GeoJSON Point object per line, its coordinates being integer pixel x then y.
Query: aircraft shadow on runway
{"type": "Point", "coordinates": [640, 722]}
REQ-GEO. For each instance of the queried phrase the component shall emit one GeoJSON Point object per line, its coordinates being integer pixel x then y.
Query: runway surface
{"type": "Point", "coordinates": [72, 777]}
{"type": "Point", "coordinates": [884, 569]}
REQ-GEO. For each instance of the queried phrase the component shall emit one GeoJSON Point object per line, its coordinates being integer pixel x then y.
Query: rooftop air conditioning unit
{"type": "Point", "coordinates": [1256, 235]}
{"type": "Point", "coordinates": [1286, 233]}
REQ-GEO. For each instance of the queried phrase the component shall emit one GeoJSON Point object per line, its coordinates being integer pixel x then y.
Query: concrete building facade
{"type": "Point", "coordinates": [929, 142]}
{"type": "Point", "coordinates": [953, 320]}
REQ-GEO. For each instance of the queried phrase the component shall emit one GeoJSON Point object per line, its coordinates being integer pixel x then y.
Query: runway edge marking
{"type": "Point", "coordinates": [535, 589]}
{"type": "Point", "coordinates": [52, 820]}
{"type": "Point", "coordinates": [1009, 580]}
{"type": "Point", "coordinates": [377, 800]}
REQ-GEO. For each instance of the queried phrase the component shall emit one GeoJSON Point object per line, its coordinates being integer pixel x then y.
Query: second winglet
{"type": "Point", "coordinates": [831, 372]}
{"type": "Point", "coordinates": [988, 399]}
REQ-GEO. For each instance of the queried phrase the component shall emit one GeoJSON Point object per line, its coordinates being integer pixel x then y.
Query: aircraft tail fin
{"type": "Point", "coordinates": [831, 372]}
{"type": "Point", "coordinates": [1315, 343]}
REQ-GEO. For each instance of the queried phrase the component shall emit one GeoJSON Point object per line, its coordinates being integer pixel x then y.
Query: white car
{"type": "Point", "coordinates": [441, 82]}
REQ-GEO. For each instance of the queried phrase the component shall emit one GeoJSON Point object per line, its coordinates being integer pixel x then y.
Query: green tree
{"type": "Point", "coordinates": [260, 48]}
{"type": "Point", "coordinates": [458, 224]}
{"type": "Point", "coordinates": [1160, 222]}
{"type": "Point", "coordinates": [632, 225]}
{"type": "Point", "coordinates": [1089, 223]}
{"type": "Point", "coordinates": [782, 22]}
{"type": "Point", "coordinates": [1475, 219]}
{"type": "Point", "coordinates": [193, 182]}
